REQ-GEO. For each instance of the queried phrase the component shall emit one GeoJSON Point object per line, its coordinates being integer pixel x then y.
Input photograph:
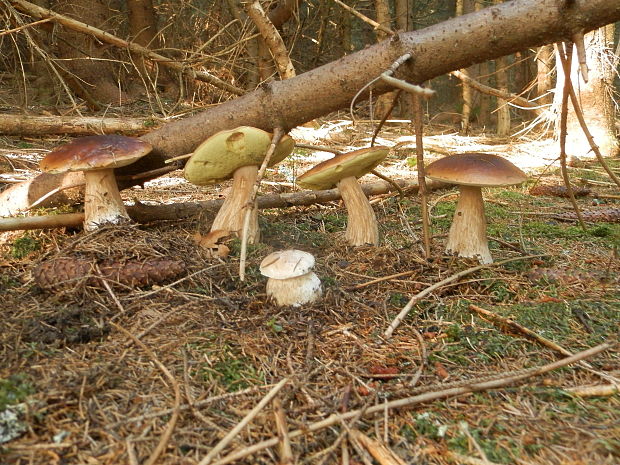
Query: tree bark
{"type": "Point", "coordinates": [26, 125]}
{"type": "Point", "coordinates": [544, 75]}
{"type": "Point", "coordinates": [143, 213]}
{"type": "Point", "coordinates": [490, 33]}
{"type": "Point", "coordinates": [594, 96]}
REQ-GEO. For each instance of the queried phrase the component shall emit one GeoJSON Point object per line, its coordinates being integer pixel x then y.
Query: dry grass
{"type": "Point", "coordinates": [94, 396]}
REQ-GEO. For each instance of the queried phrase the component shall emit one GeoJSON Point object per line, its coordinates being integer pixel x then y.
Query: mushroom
{"type": "Point", "coordinates": [343, 171]}
{"type": "Point", "coordinates": [97, 156]}
{"type": "Point", "coordinates": [471, 172]}
{"type": "Point", "coordinates": [237, 154]}
{"type": "Point", "coordinates": [291, 281]}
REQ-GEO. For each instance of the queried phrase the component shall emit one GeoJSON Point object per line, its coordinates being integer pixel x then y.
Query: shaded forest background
{"type": "Point", "coordinates": [65, 72]}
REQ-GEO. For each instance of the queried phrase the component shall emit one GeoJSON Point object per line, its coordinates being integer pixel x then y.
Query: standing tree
{"type": "Point", "coordinates": [595, 96]}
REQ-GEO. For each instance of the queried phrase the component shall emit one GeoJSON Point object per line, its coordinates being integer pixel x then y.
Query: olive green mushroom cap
{"type": "Point", "coordinates": [95, 153]}
{"type": "Point", "coordinates": [475, 169]}
{"type": "Point", "coordinates": [218, 157]}
{"type": "Point", "coordinates": [357, 163]}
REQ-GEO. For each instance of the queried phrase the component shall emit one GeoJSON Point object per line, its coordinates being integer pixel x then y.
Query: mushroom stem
{"type": "Point", "coordinates": [362, 228]}
{"type": "Point", "coordinates": [231, 215]}
{"type": "Point", "coordinates": [468, 233]}
{"type": "Point", "coordinates": [102, 200]}
{"type": "Point", "coordinates": [295, 291]}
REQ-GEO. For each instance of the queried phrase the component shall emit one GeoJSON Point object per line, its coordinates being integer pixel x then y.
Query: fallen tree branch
{"type": "Point", "coordinates": [487, 34]}
{"type": "Point", "coordinates": [44, 13]}
{"type": "Point", "coordinates": [22, 125]}
{"type": "Point", "coordinates": [143, 213]}
{"type": "Point", "coordinates": [415, 400]}
{"type": "Point", "coordinates": [513, 99]}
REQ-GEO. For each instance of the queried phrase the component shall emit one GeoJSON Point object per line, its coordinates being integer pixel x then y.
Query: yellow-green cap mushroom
{"type": "Point", "coordinates": [218, 157]}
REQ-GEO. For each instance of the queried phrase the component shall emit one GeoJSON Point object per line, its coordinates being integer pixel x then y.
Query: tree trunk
{"type": "Point", "coordinates": [544, 75]}
{"type": "Point", "coordinates": [90, 72]}
{"type": "Point", "coordinates": [503, 110]}
{"type": "Point", "coordinates": [144, 31]}
{"type": "Point", "coordinates": [488, 34]}
{"type": "Point", "coordinates": [594, 96]}
{"type": "Point", "coordinates": [382, 9]}
{"type": "Point", "coordinates": [466, 90]}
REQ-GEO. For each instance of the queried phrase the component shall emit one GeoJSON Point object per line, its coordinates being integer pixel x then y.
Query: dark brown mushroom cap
{"type": "Point", "coordinates": [475, 169]}
{"type": "Point", "coordinates": [95, 153]}
{"type": "Point", "coordinates": [356, 163]}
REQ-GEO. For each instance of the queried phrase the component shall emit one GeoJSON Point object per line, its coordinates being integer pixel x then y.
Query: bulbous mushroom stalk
{"type": "Point", "coordinates": [362, 226]}
{"type": "Point", "coordinates": [237, 154]}
{"type": "Point", "coordinates": [231, 214]}
{"type": "Point", "coordinates": [102, 200]}
{"type": "Point", "coordinates": [342, 171]}
{"type": "Point", "coordinates": [468, 232]}
{"type": "Point", "coordinates": [291, 280]}
{"type": "Point", "coordinates": [471, 172]}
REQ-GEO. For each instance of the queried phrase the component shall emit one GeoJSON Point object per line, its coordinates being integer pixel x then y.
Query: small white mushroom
{"type": "Point", "coordinates": [291, 281]}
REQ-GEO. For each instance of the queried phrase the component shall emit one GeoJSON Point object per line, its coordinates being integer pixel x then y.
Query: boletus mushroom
{"type": "Point", "coordinates": [291, 280]}
{"type": "Point", "coordinates": [342, 171]}
{"type": "Point", "coordinates": [237, 154]}
{"type": "Point", "coordinates": [97, 156]}
{"type": "Point", "coordinates": [471, 172]}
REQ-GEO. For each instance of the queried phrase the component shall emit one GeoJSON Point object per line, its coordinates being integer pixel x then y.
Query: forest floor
{"type": "Point", "coordinates": [93, 374]}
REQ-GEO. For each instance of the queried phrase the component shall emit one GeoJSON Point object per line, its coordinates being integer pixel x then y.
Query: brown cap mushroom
{"type": "Point", "coordinates": [291, 281]}
{"type": "Point", "coordinates": [342, 171]}
{"type": "Point", "coordinates": [471, 172]}
{"type": "Point", "coordinates": [238, 154]}
{"type": "Point", "coordinates": [97, 156]}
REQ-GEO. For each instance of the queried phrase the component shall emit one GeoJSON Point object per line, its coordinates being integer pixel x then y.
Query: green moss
{"type": "Point", "coordinates": [14, 390]}
{"type": "Point", "coordinates": [23, 246]}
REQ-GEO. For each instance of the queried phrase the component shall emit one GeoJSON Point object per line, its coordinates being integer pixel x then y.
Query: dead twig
{"type": "Point", "coordinates": [165, 437]}
{"type": "Point", "coordinates": [383, 454]}
{"type": "Point", "coordinates": [420, 295]}
{"type": "Point", "coordinates": [251, 204]}
{"type": "Point", "coordinates": [565, 58]}
{"type": "Point", "coordinates": [242, 424]}
{"type": "Point", "coordinates": [422, 398]}
{"type": "Point", "coordinates": [286, 453]}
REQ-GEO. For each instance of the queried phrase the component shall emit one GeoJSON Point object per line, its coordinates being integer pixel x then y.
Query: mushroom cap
{"type": "Point", "coordinates": [475, 169]}
{"type": "Point", "coordinates": [219, 156]}
{"type": "Point", "coordinates": [286, 264]}
{"type": "Point", "coordinates": [357, 163]}
{"type": "Point", "coordinates": [95, 153]}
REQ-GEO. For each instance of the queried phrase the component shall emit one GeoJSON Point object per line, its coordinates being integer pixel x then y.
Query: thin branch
{"type": "Point", "coordinates": [242, 424]}
{"type": "Point", "coordinates": [45, 13]}
{"type": "Point", "coordinates": [420, 295]}
{"type": "Point", "coordinates": [418, 399]}
{"type": "Point", "coordinates": [251, 205]}
{"type": "Point", "coordinates": [565, 58]}
{"type": "Point", "coordinates": [364, 18]}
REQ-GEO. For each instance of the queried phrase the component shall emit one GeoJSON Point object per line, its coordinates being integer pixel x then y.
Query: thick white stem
{"type": "Point", "coordinates": [231, 215]}
{"type": "Point", "coordinates": [362, 227]}
{"type": "Point", "coordinates": [296, 291]}
{"type": "Point", "coordinates": [102, 201]}
{"type": "Point", "coordinates": [468, 233]}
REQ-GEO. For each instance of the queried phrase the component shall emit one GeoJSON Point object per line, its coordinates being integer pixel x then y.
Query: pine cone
{"type": "Point", "coordinates": [61, 273]}
{"type": "Point", "coordinates": [558, 190]}
{"type": "Point", "coordinates": [134, 273]}
{"type": "Point", "coordinates": [604, 215]}
{"type": "Point", "coordinates": [65, 273]}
